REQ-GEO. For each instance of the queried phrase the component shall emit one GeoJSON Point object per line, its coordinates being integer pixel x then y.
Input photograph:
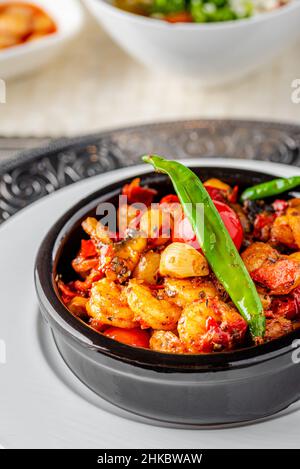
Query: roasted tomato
{"type": "Point", "coordinates": [67, 292]}
{"type": "Point", "coordinates": [219, 190]}
{"type": "Point", "coordinates": [262, 225]}
{"type": "Point", "coordinates": [279, 277]}
{"type": "Point", "coordinates": [215, 193]}
{"type": "Point", "coordinates": [230, 219]}
{"type": "Point", "coordinates": [167, 341]}
{"type": "Point", "coordinates": [277, 327]}
{"type": "Point", "coordinates": [287, 306]}
{"type": "Point", "coordinates": [170, 199]}
{"type": "Point", "coordinates": [137, 194]}
{"type": "Point", "coordinates": [135, 337]}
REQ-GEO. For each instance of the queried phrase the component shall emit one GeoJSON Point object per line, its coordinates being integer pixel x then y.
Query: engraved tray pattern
{"type": "Point", "coordinates": [35, 173]}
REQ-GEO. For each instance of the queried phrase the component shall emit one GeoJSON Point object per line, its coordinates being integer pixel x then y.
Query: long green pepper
{"type": "Point", "coordinates": [215, 241]}
{"type": "Point", "coordinates": [270, 188]}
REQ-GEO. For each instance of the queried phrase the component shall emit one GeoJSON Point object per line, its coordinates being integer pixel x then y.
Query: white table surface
{"type": "Point", "coordinates": [94, 85]}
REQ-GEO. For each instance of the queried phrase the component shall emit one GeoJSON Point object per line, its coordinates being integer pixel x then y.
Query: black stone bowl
{"type": "Point", "coordinates": [208, 389]}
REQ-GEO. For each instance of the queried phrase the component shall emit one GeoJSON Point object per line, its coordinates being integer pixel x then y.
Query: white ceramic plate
{"type": "Point", "coordinates": [22, 59]}
{"type": "Point", "coordinates": [42, 404]}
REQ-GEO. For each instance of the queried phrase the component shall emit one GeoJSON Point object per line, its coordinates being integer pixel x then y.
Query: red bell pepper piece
{"type": "Point", "coordinates": [137, 194]}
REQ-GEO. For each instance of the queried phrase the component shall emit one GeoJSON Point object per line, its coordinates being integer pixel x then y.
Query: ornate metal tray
{"type": "Point", "coordinates": [35, 173]}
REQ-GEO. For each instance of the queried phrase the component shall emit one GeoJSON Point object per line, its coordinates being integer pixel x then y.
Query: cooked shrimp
{"type": "Point", "coordinates": [286, 228]}
{"type": "Point", "coordinates": [7, 40]}
{"type": "Point", "coordinates": [278, 274]}
{"type": "Point", "coordinates": [15, 24]}
{"type": "Point", "coordinates": [149, 310]}
{"type": "Point", "coordinates": [126, 256]}
{"type": "Point", "coordinates": [256, 254]}
{"type": "Point", "coordinates": [108, 305]}
{"type": "Point", "coordinates": [166, 341]}
{"type": "Point", "coordinates": [295, 256]}
{"type": "Point", "coordinates": [293, 216]}
{"type": "Point", "coordinates": [183, 292]}
{"type": "Point", "coordinates": [281, 232]}
{"type": "Point", "coordinates": [210, 325]}
{"type": "Point", "coordinates": [43, 24]}
{"type": "Point", "coordinates": [96, 230]}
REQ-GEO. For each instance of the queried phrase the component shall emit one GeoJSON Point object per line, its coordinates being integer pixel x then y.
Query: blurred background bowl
{"type": "Point", "coordinates": [24, 58]}
{"type": "Point", "coordinates": [216, 53]}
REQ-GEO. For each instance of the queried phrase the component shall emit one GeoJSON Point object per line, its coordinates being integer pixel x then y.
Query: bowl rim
{"type": "Point", "coordinates": [78, 331]}
{"type": "Point", "coordinates": [108, 7]}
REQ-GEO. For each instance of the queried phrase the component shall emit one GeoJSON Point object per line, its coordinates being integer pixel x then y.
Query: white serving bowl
{"type": "Point", "coordinates": [215, 53]}
{"type": "Point", "coordinates": [24, 58]}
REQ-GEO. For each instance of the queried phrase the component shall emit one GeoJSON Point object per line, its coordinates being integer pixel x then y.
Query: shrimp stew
{"type": "Point", "coordinates": [146, 283]}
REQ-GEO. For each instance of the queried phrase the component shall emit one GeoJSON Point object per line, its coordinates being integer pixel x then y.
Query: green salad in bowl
{"type": "Point", "coordinates": [212, 41]}
{"type": "Point", "coordinates": [199, 11]}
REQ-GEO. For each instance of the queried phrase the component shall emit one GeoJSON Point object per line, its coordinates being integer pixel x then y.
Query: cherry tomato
{"type": "Point", "coordinates": [170, 199]}
{"type": "Point", "coordinates": [135, 337]}
{"type": "Point", "coordinates": [230, 219]}
{"type": "Point", "coordinates": [232, 223]}
{"type": "Point", "coordinates": [215, 193]}
{"type": "Point", "coordinates": [180, 17]}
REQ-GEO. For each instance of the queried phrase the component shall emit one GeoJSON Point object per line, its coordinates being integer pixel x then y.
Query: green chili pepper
{"type": "Point", "coordinates": [267, 189]}
{"type": "Point", "coordinates": [215, 241]}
